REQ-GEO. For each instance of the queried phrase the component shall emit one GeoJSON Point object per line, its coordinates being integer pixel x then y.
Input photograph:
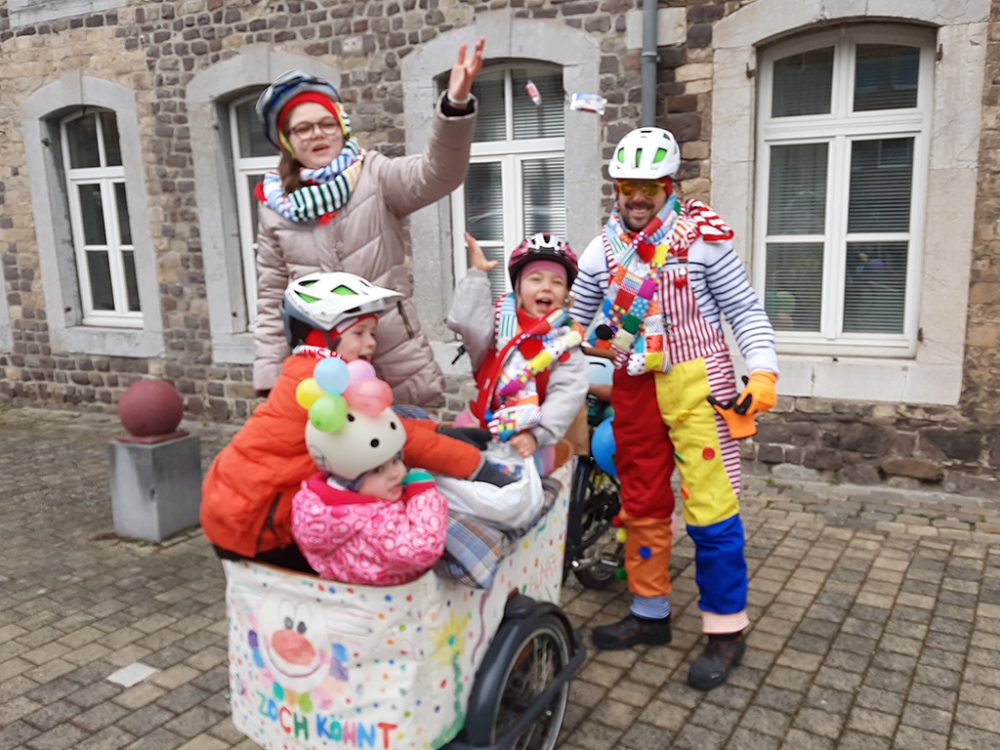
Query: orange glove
{"type": "Point", "coordinates": [759, 395]}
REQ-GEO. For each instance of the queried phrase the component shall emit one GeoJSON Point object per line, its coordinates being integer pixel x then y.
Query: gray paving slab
{"type": "Point", "coordinates": [876, 620]}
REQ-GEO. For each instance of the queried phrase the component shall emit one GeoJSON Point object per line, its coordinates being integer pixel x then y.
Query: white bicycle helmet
{"type": "Point", "coordinates": [326, 300]}
{"type": "Point", "coordinates": [362, 444]}
{"type": "Point", "coordinates": [645, 154]}
{"type": "Point", "coordinates": [289, 84]}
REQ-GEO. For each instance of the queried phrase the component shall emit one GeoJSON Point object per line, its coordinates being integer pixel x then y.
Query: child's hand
{"type": "Point", "coordinates": [477, 258]}
{"type": "Point", "coordinates": [524, 443]}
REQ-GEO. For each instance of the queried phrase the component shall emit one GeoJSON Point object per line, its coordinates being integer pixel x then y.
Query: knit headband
{"type": "Point", "coordinates": [306, 97]}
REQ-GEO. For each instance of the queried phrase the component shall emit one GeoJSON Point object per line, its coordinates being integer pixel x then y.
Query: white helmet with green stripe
{"type": "Point", "coordinates": [645, 154]}
{"type": "Point", "coordinates": [328, 302]}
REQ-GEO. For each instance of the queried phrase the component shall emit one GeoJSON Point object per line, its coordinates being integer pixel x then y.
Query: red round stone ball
{"type": "Point", "coordinates": [150, 407]}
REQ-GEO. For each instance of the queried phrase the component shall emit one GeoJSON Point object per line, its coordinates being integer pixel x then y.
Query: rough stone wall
{"type": "Point", "coordinates": [156, 48]}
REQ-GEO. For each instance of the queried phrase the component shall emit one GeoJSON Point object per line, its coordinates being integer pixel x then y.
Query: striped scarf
{"type": "Point", "coordinates": [325, 191]}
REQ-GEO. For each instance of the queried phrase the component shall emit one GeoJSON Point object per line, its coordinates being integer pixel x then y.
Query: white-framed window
{"type": "Point", "coordinates": [842, 153]}
{"type": "Point", "coordinates": [252, 156]}
{"type": "Point", "coordinates": [99, 219]}
{"type": "Point", "coordinates": [516, 184]}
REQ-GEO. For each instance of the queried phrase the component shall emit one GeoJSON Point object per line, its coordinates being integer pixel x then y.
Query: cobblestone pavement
{"type": "Point", "coordinates": [876, 621]}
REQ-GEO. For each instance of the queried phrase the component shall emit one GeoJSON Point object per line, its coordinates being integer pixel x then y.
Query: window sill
{"type": "Point", "coordinates": [869, 379]}
{"type": "Point", "coordinates": [233, 348]}
{"type": "Point", "coordinates": [109, 342]}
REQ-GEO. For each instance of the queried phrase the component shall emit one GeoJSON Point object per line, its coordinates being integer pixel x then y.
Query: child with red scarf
{"type": "Point", "coordinates": [524, 349]}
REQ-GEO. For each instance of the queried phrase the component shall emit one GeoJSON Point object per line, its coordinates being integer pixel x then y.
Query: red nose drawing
{"type": "Point", "coordinates": [293, 647]}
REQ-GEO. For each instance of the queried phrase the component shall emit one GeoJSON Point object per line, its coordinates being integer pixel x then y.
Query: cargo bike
{"type": "Point", "coordinates": [426, 665]}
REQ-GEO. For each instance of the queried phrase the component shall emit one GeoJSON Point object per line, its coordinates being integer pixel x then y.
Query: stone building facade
{"type": "Point", "coordinates": [920, 415]}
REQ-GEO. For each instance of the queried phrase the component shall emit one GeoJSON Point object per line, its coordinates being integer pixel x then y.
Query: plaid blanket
{"type": "Point", "coordinates": [474, 548]}
{"type": "Point", "coordinates": [472, 551]}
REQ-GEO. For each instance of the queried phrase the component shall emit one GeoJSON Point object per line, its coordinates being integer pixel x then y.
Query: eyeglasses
{"type": "Point", "coordinates": [647, 188]}
{"type": "Point", "coordinates": [306, 130]}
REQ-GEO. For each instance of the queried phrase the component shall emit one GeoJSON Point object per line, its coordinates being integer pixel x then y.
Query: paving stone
{"type": "Point", "coordinates": [109, 738]}
{"type": "Point", "coordinates": [796, 739]}
{"type": "Point", "coordinates": [158, 739]}
{"type": "Point", "coordinates": [872, 722]}
{"type": "Point", "coordinates": [912, 738]}
{"type": "Point", "coordinates": [59, 737]}
{"type": "Point", "coordinates": [693, 737]}
{"type": "Point", "coordinates": [614, 713]}
{"type": "Point", "coordinates": [644, 737]}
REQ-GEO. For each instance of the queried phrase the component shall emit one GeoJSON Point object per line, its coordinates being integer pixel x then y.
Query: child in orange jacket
{"type": "Point", "coordinates": [247, 493]}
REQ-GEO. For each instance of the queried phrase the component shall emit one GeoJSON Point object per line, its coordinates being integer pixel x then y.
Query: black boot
{"type": "Point", "coordinates": [722, 655]}
{"type": "Point", "coordinates": [631, 631]}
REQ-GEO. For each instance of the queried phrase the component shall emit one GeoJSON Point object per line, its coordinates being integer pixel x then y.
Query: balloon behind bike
{"type": "Point", "coordinates": [602, 447]}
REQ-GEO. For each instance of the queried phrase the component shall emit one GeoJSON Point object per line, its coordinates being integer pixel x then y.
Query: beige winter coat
{"type": "Point", "coordinates": [366, 239]}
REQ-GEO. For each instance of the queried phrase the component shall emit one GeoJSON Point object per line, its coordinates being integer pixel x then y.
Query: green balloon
{"type": "Point", "coordinates": [329, 413]}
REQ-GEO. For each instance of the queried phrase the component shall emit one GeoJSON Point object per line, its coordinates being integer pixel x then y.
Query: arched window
{"type": "Point", "coordinates": [924, 363]}
{"type": "Point", "coordinates": [92, 223]}
{"type": "Point", "coordinates": [843, 140]}
{"type": "Point", "coordinates": [515, 185]}
{"type": "Point", "coordinates": [99, 217]}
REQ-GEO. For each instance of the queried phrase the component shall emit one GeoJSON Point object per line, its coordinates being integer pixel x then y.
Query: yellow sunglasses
{"type": "Point", "coordinates": [629, 188]}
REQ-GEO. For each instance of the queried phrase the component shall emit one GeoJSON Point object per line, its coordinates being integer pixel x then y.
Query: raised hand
{"type": "Point", "coordinates": [477, 258]}
{"type": "Point", "coordinates": [464, 72]}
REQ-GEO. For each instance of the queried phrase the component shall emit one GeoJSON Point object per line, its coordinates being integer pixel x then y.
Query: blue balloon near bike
{"type": "Point", "coordinates": [602, 447]}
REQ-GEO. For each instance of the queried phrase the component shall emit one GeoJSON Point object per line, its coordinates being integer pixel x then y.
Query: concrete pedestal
{"type": "Point", "coordinates": [155, 489]}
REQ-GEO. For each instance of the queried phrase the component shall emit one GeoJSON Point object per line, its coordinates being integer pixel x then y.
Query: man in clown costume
{"type": "Point", "coordinates": [652, 288]}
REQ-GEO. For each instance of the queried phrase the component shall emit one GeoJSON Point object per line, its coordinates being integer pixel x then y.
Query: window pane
{"type": "Point", "coordinates": [490, 120]}
{"type": "Point", "coordinates": [92, 211]}
{"type": "Point", "coordinates": [484, 202]}
{"type": "Point", "coordinates": [793, 286]}
{"type": "Point", "coordinates": [885, 77]}
{"type": "Point", "coordinates": [251, 135]}
{"type": "Point", "coordinates": [121, 203]}
{"type": "Point", "coordinates": [802, 84]}
{"type": "Point", "coordinates": [875, 287]}
{"type": "Point", "coordinates": [544, 196]}
{"type": "Point", "coordinates": [881, 176]}
{"type": "Point", "coordinates": [99, 267]}
{"type": "Point", "coordinates": [546, 120]}
{"type": "Point", "coordinates": [131, 284]}
{"type": "Point", "coordinates": [797, 189]}
{"type": "Point", "coordinates": [81, 135]}
{"type": "Point", "coordinates": [112, 147]}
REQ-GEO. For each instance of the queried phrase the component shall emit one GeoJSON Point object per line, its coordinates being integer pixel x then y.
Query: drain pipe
{"type": "Point", "coordinates": [648, 62]}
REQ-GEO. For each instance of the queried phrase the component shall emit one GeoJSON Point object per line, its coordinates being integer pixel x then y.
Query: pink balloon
{"type": "Point", "coordinates": [371, 397]}
{"type": "Point", "coordinates": [360, 371]}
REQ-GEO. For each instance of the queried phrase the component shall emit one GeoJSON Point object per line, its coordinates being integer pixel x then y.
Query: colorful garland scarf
{"type": "Point", "coordinates": [630, 322]}
{"type": "Point", "coordinates": [325, 191]}
{"type": "Point", "coordinates": [516, 383]}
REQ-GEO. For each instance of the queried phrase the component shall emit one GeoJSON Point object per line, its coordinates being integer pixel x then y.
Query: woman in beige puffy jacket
{"type": "Point", "coordinates": [334, 207]}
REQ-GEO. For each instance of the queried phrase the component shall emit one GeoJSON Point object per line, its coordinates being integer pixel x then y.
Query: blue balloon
{"type": "Point", "coordinates": [332, 375]}
{"type": "Point", "coordinates": [602, 447]}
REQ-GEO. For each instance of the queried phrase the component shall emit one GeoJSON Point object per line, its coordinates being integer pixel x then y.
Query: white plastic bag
{"type": "Point", "coordinates": [511, 507]}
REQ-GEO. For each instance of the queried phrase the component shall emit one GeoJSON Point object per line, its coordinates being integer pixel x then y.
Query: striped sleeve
{"type": "Point", "coordinates": [730, 293]}
{"type": "Point", "coordinates": [591, 283]}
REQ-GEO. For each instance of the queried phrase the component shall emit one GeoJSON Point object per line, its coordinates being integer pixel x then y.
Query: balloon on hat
{"type": "Point", "coordinates": [328, 413]}
{"type": "Point", "coordinates": [360, 370]}
{"type": "Point", "coordinates": [371, 397]}
{"type": "Point", "coordinates": [307, 392]}
{"type": "Point", "coordinates": [332, 375]}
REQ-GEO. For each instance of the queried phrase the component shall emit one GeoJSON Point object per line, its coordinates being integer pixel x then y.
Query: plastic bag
{"type": "Point", "coordinates": [512, 507]}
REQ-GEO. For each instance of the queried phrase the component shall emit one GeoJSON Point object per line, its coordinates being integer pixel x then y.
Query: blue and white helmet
{"type": "Point", "coordinates": [287, 86]}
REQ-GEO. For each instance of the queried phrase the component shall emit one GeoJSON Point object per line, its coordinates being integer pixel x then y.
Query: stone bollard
{"type": "Point", "coordinates": [155, 470]}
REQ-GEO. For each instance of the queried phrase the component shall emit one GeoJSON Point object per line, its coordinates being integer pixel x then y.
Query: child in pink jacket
{"type": "Point", "coordinates": [364, 518]}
